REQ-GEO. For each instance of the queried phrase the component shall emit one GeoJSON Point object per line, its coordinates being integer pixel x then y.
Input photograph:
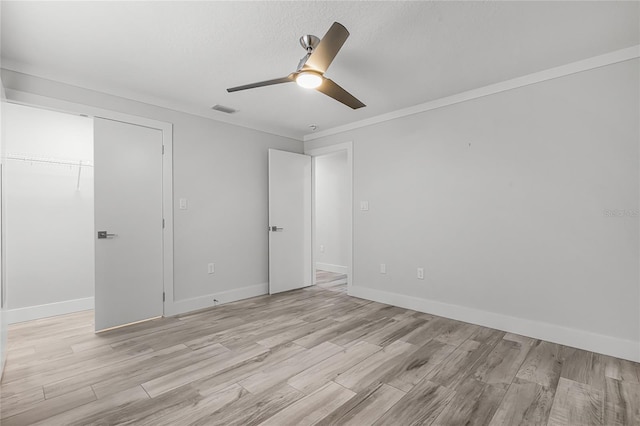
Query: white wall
{"type": "Point", "coordinates": [49, 238]}
{"type": "Point", "coordinates": [221, 170]}
{"type": "Point", "coordinates": [506, 201]}
{"type": "Point", "coordinates": [332, 212]}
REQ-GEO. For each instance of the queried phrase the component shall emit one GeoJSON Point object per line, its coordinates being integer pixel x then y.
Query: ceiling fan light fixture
{"type": "Point", "coordinates": [309, 80]}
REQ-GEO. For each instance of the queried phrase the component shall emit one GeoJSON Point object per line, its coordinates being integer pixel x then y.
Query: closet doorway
{"type": "Point", "coordinates": [49, 195]}
{"type": "Point", "coordinates": [57, 261]}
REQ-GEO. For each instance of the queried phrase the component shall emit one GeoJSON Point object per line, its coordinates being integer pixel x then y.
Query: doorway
{"type": "Point", "coordinates": [163, 293]}
{"type": "Point", "coordinates": [332, 216]}
{"type": "Point", "coordinates": [48, 187]}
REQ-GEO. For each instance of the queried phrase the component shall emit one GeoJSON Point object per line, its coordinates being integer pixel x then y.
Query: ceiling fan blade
{"type": "Point", "coordinates": [323, 54]}
{"type": "Point", "coordinates": [330, 88]}
{"type": "Point", "coordinates": [287, 79]}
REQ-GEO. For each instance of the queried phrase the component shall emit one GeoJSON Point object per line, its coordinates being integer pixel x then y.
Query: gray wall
{"type": "Point", "coordinates": [221, 170]}
{"type": "Point", "coordinates": [522, 207]}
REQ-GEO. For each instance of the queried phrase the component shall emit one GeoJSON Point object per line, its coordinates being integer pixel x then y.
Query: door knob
{"type": "Point", "coordinates": [105, 234]}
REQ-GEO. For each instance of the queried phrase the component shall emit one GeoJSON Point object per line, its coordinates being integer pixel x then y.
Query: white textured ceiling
{"type": "Point", "coordinates": [185, 54]}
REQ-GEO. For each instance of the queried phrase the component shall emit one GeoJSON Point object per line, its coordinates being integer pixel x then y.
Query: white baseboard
{"type": "Point", "coordinates": [49, 310]}
{"type": "Point", "coordinates": [620, 348]}
{"type": "Point", "coordinates": [332, 268]}
{"type": "Point", "coordinates": [202, 302]}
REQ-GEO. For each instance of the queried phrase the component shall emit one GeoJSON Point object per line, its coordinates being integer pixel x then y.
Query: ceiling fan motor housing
{"type": "Point", "coordinates": [309, 42]}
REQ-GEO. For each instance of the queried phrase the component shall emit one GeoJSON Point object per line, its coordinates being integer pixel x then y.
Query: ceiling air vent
{"type": "Point", "coordinates": [224, 109]}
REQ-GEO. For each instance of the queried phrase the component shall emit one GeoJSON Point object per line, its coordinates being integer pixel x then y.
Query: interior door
{"type": "Point", "coordinates": [128, 220]}
{"type": "Point", "coordinates": [289, 221]}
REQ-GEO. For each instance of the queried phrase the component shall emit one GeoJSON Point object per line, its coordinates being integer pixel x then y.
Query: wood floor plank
{"type": "Point", "coordinates": [375, 367]}
{"type": "Point", "coordinates": [41, 355]}
{"type": "Point", "coordinates": [504, 361]}
{"type": "Point", "coordinates": [179, 406]}
{"type": "Point", "coordinates": [394, 331]}
{"type": "Point", "coordinates": [312, 408]}
{"type": "Point", "coordinates": [192, 412]}
{"type": "Point", "coordinates": [525, 403]}
{"type": "Point", "coordinates": [197, 370]}
{"type": "Point", "coordinates": [281, 372]}
{"type": "Point", "coordinates": [459, 365]}
{"type": "Point", "coordinates": [214, 382]}
{"type": "Point", "coordinates": [487, 336]}
{"type": "Point", "coordinates": [542, 365]}
{"type": "Point", "coordinates": [239, 341]}
{"type": "Point", "coordinates": [138, 373]}
{"type": "Point", "coordinates": [406, 374]}
{"type": "Point", "coordinates": [448, 331]}
{"type": "Point", "coordinates": [43, 410]}
{"type": "Point", "coordinates": [252, 409]}
{"type": "Point", "coordinates": [474, 403]}
{"type": "Point", "coordinates": [232, 335]}
{"type": "Point", "coordinates": [295, 333]}
{"type": "Point", "coordinates": [621, 403]}
{"type": "Point", "coordinates": [621, 369]}
{"type": "Point", "coordinates": [576, 404]}
{"type": "Point", "coordinates": [455, 332]}
{"type": "Point", "coordinates": [582, 366]}
{"type": "Point", "coordinates": [70, 360]}
{"type": "Point", "coordinates": [358, 334]}
{"type": "Point", "coordinates": [365, 408]}
{"type": "Point", "coordinates": [113, 337]}
{"type": "Point", "coordinates": [94, 376]}
{"type": "Point", "coordinates": [57, 374]}
{"type": "Point", "coordinates": [17, 403]}
{"type": "Point", "coordinates": [422, 405]}
{"type": "Point", "coordinates": [92, 412]}
{"type": "Point", "coordinates": [328, 332]}
{"type": "Point", "coordinates": [316, 376]}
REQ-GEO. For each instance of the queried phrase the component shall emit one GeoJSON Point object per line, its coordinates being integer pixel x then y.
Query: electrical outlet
{"type": "Point", "coordinates": [420, 273]}
{"type": "Point", "coordinates": [321, 248]}
{"type": "Point", "coordinates": [383, 268]}
{"type": "Point", "coordinates": [364, 206]}
{"type": "Point", "coordinates": [211, 268]}
{"type": "Point", "coordinates": [183, 203]}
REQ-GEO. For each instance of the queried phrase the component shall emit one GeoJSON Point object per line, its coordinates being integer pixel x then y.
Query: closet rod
{"type": "Point", "coordinates": [79, 163]}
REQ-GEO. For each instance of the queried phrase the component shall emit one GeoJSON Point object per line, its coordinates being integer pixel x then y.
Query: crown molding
{"type": "Point", "coordinates": [182, 107]}
{"type": "Point", "coordinates": [538, 77]}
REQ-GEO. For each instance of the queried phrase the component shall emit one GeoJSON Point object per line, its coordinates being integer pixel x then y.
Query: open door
{"type": "Point", "coordinates": [289, 221]}
{"type": "Point", "coordinates": [128, 220]}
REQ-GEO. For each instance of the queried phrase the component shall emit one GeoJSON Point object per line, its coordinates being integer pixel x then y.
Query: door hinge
{"type": "Point", "coordinates": [163, 223]}
{"type": "Point", "coordinates": [162, 149]}
{"type": "Point", "coordinates": [163, 296]}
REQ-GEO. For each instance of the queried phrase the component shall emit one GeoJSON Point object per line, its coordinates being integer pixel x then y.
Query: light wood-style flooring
{"type": "Point", "coordinates": [311, 356]}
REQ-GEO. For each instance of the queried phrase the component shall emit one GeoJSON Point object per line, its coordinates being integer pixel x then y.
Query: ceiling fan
{"type": "Point", "coordinates": [311, 68]}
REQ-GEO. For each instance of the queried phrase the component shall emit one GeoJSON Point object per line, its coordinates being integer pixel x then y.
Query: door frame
{"type": "Point", "coordinates": [317, 152]}
{"type": "Point", "coordinates": [43, 102]}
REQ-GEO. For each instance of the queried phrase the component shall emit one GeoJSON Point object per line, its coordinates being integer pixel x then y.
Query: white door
{"type": "Point", "coordinates": [289, 221]}
{"type": "Point", "coordinates": [128, 220]}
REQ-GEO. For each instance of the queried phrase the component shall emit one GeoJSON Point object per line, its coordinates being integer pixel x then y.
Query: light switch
{"type": "Point", "coordinates": [183, 203]}
{"type": "Point", "coordinates": [364, 205]}
{"type": "Point", "coordinates": [383, 268]}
